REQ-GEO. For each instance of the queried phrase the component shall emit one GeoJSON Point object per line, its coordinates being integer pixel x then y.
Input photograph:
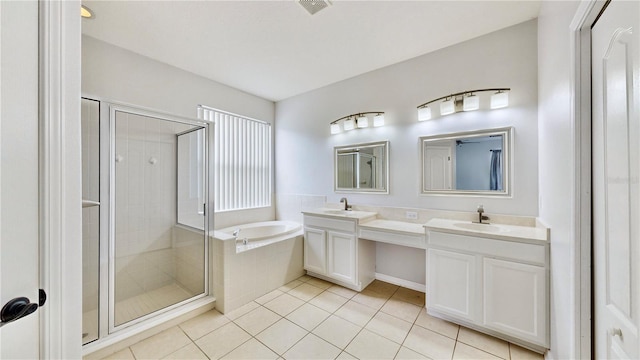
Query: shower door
{"type": "Point", "coordinates": [158, 225]}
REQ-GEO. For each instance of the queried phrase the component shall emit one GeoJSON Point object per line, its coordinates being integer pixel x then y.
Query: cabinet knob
{"type": "Point", "coordinates": [615, 332]}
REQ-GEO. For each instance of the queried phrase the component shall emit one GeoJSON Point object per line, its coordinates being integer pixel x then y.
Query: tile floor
{"type": "Point", "coordinates": [312, 319]}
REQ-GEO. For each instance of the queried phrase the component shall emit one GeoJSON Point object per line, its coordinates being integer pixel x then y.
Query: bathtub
{"type": "Point", "coordinates": [272, 257]}
{"type": "Point", "coordinates": [260, 234]}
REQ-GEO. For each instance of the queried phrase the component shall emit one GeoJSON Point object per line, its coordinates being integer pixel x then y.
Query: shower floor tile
{"type": "Point", "coordinates": [146, 303]}
{"type": "Point", "coordinates": [348, 329]}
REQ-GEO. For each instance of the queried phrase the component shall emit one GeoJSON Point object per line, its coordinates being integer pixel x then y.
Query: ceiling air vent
{"type": "Point", "coordinates": [313, 6]}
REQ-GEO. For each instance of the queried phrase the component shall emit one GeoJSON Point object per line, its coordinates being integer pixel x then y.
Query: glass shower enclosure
{"type": "Point", "coordinates": [145, 227]}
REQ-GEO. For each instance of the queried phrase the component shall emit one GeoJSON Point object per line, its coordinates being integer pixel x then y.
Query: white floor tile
{"type": "Point", "coordinates": [284, 304]}
{"type": "Point", "coordinates": [251, 349]}
{"type": "Point", "coordinates": [368, 345]}
{"type": "Point", "coordinates": [312, 347]}
{"type": "Point", "coordinates": [389, 326]}
{"type": "Point", "coordinates": [281, 336]}
{"type": "Point", "coordinates": [218, 343]}
{"type": "Point", "coordinates": [429, 343]}
{"type": "Point", "coordinates": [308, 316]}
{"type": "Point", "coordinates": [356, 313]}
{"type": "Point", "coordinates": [328, 301]}
{"type": "Point", "coordinates": [484, 342]}
{"type": "Point", "coordinates": [161, 345]}
{"type": "Point", "coordinates": [257, 320]}
{"type": "Point", "coordinates": [438, 325]}
{"type": "Point", "coordinates": [337, 331]}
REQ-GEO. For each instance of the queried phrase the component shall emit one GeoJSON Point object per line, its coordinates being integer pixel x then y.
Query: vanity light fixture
{"type": "Point", "coordinates": [464, 101]}
{"type": "Point", "coordinates": [358, 120]}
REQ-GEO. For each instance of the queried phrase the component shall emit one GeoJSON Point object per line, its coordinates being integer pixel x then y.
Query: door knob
{"type": "Point", "coordinates": [16, 309]}
{"type": "Point", "coordinates": [615, 332]}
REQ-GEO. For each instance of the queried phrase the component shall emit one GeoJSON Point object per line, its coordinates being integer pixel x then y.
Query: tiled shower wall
{"type": "Point", "coordinates": [145, 175]}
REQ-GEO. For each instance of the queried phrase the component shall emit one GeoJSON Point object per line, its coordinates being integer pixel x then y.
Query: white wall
{"type": "Point", "coordinates": [506, 58]}
{"type": "Point", "coordinates": [556, 168]}
{"type": "Point", "coordinates": [113, 73]}
{"type": "Point", "coordinates": [116, 74]}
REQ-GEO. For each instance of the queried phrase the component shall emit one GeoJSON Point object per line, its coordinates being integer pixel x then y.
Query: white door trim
{"type": "Point", "coordinates": [60, 179]}
{"type": "Point", "coordinates": [580, 28]}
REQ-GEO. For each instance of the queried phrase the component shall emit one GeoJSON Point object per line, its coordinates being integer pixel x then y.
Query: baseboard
{"type": "Point", "coordinates": [401, 282]}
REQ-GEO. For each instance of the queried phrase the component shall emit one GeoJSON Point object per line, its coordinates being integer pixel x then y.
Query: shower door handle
{"type": "Point", "coordinates": [89, 203]}
{"type": "Point", "coordinates": [16, 309]}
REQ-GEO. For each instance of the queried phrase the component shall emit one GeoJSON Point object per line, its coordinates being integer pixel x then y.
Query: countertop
{"type": "Point", "coordinates": [394, 226]}
{"type": "Point", "coordinates": [493, 231]}
{"type": "Point", "coordinates": [341, 214]}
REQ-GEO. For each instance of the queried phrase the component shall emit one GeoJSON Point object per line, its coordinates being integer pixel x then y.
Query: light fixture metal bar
{"type": "Point", "coordinates": [356, 115]}
{"type": "Point", "coordinates": [459, 94]}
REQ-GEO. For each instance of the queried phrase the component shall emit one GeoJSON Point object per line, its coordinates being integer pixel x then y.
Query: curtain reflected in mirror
{"type": "Point", "coordinates": [467, 163]}
{"type": "Point", "coordinates": [362, 168]}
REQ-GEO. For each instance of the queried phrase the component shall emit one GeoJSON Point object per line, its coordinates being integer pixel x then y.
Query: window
{"type": "Point", "coordinates": [242, 160]}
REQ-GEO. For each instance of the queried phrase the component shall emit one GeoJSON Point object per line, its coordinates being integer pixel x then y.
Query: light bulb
{"type": "Point", "coordinates": [424, 114]}
{"type": "Point", "coordinates": [378, 120]}
{"type": "Point", "coordinates": [447, 107]}
{"type": "Point", "coordinates": [471, 103]}
{"type": "Point", "coordinates": [362, 121]}
{"type": "Point", "coordinates": [349, 124]}
{"type": "Point", "coordinates": [499, 100]}
{"type": "Point", "coordinates": [335, 128]}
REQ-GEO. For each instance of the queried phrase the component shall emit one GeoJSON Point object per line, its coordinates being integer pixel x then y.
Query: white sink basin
{"type": "Point", "coordinates": [479, 227]}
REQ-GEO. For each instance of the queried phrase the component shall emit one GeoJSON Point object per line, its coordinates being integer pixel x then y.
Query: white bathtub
{"type": "Point", "coordinates": [260, 234]}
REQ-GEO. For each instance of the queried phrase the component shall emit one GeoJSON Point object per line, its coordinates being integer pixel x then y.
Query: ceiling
{"type": "Point", "coordinates": [276, 49]}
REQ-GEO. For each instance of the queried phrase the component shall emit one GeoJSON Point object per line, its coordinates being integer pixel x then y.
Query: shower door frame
{"type": "Point", "coordinates": [107, 247]}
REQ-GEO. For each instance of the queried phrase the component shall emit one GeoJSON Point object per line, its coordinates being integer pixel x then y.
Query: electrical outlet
{"type": "Point", "coordinates": [412, 215]}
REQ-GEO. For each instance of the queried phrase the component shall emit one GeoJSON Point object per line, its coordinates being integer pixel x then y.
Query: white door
{"type": "Point", "coordinates": [19, 173]}
{"type": "Point", "coordinates": [315, 250]}
{"type": "Point", "coordinates": [514, 297]}
{"type": "Point", "coordinates": [342, 257]}
{"type": "Point", "coordinates": [438, 176]}
{"type": "Point", "coordinates": [451, 284]}
{"type": "Point", "coordinates": [616, 191]}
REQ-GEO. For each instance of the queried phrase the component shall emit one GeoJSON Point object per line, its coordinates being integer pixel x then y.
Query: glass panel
{"type": "Point", "coordinates": [90, 218]}
{"type": "Point", "coordinates": [157, 262]}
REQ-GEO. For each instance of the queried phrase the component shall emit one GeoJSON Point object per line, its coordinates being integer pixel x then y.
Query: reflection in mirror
{"type": "Point", "coordinates": [362, 167]}
{"type": "Point", "coordinates": [467, 163]}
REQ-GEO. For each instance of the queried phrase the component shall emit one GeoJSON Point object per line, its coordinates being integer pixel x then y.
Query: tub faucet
{"type": "Point", "coordinates": [480, 216]}
{"type": "Point", "coordinates": [346, 204]}
{"type": "Point", "coordinates": [236, 233]}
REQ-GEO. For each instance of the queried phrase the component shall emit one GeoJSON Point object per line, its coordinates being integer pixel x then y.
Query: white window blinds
{"type": "Point", "coordinates": [242, 160]}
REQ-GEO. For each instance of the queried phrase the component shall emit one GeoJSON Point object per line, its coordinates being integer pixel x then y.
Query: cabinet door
{"type": "Point", "coordinates": [451, 285]}
{"type": "Point", "coordinates": [514, 299]}
{"type": "Point", "coordinates": [342, 257]}
{"type": "Point", "coordinates": [315, 255]}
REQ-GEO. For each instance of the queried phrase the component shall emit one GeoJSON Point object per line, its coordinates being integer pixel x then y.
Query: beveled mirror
{"type": "Point", "coordinates": [467, 163]}
{"type": "Point", "coordinates": [362, 168]}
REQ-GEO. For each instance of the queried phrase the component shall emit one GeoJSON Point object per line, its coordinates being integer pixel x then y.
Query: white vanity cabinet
{"type": "Point", "coordinates": [494, 284]}
{"type": "Point", "coordinates": [333, 252]}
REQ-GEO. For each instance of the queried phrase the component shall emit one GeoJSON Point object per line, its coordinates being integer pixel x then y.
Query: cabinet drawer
{"type": "Point", "coordinates": [416, 241]}
{"type": "Point", "coordinates": [333, 224]}
{"type": "Point", "coordinates": [531, 253]}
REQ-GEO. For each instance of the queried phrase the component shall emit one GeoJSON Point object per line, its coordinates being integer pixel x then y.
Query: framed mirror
{"type": "Point", "coordinates": [362, 168]}
{"type": "Point", "coordinates": [467, 163]}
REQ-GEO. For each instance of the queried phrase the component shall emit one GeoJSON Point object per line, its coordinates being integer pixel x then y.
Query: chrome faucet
{"type": "Point", "coordinates": [346, 204]}
{"type": "Point", "coordinates": [480, 216]}
{"type": "Point", "coordinates": [236, 233]}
